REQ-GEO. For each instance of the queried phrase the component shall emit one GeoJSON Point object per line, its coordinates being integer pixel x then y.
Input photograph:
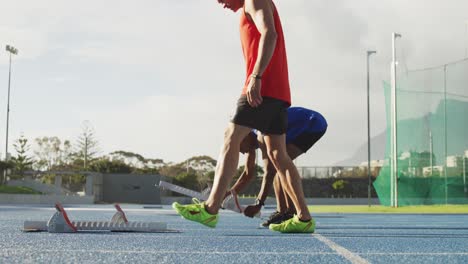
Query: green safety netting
{"type": "Point", "coordinates": [432, 137]}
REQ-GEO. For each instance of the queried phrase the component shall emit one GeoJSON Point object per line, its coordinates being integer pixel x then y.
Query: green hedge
{"type": "Point", "coordinates": [16, 190]}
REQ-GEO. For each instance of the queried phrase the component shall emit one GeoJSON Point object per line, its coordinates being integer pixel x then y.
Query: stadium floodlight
{"type": "Point", "coordinates": [369, 53]}
{"type": "Point", "coordinates": [394, 159]}
{"type": "Point", "coordinates": [13, 51]}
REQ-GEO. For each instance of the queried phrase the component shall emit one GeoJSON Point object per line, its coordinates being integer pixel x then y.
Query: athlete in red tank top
{"type": "Point", "coordinates": [275, 80]}
{"type": "Point", "coordinates": [263, 107]}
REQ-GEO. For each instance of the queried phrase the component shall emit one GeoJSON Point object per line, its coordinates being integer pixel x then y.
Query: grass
{"type": "Point", "coordinates": [16, 190]}
{"type": "Point", "coordinates": [422, 209]}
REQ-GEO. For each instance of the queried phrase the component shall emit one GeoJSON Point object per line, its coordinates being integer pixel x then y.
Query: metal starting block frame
{"type": "Point", "coordinates": [60, 223]}
{"type": "Point", "coordinates": [187, 192]}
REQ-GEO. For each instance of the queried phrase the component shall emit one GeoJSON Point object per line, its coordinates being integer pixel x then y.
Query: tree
{"type": "Point", "coordinates": [203, 168]}
{"type": "Point", "coordinates": [187, 180]}
{"type": "Point", "coordinates": [51, 153]}
{"type": "Point", "coordinates": [129, 155]}
{"type": "Point", "coordinates": [22, 161]}
{"type": "Point", "coordinates": [258, 171]}
{"type": "Point", "coordinates": [205, 179]}
{"type": "Point", "coordinates": [105, 165]}
{"type": "Point", "coordinates": [172, 170]}
{"type": "Point", "coordinates": [87, 145]}
{"type": "Point", "coordinates": [202, 163]}
{"type": "Point", "coordinates": [138, 162]}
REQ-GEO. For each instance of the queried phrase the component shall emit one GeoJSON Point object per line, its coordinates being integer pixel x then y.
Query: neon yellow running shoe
{"type": "Point", "coordinates": [196, 212]}
{"type": "Point", "coordinates": [294, 225]}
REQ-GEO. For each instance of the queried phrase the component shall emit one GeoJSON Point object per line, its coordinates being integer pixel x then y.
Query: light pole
{"type": "Point", "coordinates": [464, 175]}
{"type": "Point", "coordinates": [466, 39]}
{"type": "Point", "coordinates": [394, 167]}
{"type": "Point", "coordinates": [369, 53]}
{"type": "Point", "coordinates": [13, 51]}
{"type": "Point", "coordinates": [465, 156]}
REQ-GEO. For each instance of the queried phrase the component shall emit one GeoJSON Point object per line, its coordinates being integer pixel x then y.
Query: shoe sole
{"type": "Point", "coordinates": [311, 229]}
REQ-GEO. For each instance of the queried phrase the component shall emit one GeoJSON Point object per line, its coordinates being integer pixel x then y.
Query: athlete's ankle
{"type": "Point", "coordinates": [304, 218]}
{"type": "Point", "coordinates": [210, 209]}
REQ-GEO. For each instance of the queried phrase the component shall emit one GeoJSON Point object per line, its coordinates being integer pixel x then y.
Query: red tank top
{"type": "Point", "coordinates": [275, 80]}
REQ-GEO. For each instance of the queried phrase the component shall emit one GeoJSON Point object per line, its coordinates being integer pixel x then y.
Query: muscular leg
{"type": "Point", "coordinates": [284, 202]}
{"type": "Point", "coordinates": [293, 152]}
{"type": "Point", "coordinates": [281, 203]}
{"type": "Point", "coordinates": [227, 165]}
{"type": "Point", "coordinates": [276, 148]}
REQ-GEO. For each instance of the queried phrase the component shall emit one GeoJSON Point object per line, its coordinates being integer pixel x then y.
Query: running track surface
{"type": "Point", "coordinates": [339, 238]}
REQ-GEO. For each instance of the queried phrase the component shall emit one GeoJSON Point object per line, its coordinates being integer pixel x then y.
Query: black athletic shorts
{"type": "Point", "coordinates": [270, 117]}
{"type": "Point", "coordinates": [306, 140]}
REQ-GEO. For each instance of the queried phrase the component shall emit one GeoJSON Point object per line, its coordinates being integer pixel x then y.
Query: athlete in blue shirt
{"type": "Point", "coordinates": [305, 128]}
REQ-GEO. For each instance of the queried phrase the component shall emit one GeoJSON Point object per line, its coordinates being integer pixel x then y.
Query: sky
{"type": "Point", "coordinates": [161, 78]}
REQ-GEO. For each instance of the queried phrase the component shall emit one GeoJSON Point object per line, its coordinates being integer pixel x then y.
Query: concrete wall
{"type": "Point", "coordinates": [107, 188]}
{"type": "Point", "coordinates": [128, 188]}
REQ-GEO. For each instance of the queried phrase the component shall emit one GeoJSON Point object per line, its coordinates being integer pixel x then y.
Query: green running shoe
{"type": "Point", "coordinates": [196, 212]}
{"type": "Point", "coordinates": [277, 218]}
{"type": "Point", "coordinates": [294, 225]}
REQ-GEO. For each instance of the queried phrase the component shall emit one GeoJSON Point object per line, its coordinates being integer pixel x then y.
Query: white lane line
{"type": "Point", "coordinates": [395, 224]}
{"type": "Point", "coordinates": [156, 252]}
{"type": "Point", "coordinates": [420, 253]}
{"type": "Point", "coordinates": [353, 258]}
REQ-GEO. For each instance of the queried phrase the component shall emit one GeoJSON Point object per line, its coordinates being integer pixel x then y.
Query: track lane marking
{"type": "Point", "coordinates": [353, 258]}
{"type": "Point", "coordinates": [232, 253]}
{"type": "Point", "coordinates": [153, 252]}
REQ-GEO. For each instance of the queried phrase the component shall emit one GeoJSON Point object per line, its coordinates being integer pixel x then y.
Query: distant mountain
{"type": "Point", "coordinates": [377, 152]}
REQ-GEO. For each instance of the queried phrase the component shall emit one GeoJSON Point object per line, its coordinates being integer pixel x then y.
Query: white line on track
{"type": "Point", "coordinates": [168, 252]}
{"type": "Point", "coordinates": [230, 252]}
{"type": "Point", "coordinates": [395, 224]}
{"type": "Point", "coordinates": [353, 258]}
{"type": "Point", "coordinates": [420, 253]}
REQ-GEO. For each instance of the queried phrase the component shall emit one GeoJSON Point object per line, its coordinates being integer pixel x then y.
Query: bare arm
{"type": "Point", "coordinates": [261, 13]}
{"type": "Point", "coordinates": [267, 181]}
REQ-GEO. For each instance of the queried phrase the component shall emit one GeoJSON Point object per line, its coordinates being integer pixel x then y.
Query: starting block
{"type": "Point", "coordinates": [60, 223]}
{"type": "Point", "coordinates": [230, 203]}
{"type": "Point", "coordinates": [202, 196]}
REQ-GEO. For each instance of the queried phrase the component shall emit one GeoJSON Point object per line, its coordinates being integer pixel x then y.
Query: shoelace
{"type": "Point", "coordinates": [287, 223]}
{"type": "Point", "coordinates": [195, 200]}
{"type": "Point", "coordinates": [197, 205]}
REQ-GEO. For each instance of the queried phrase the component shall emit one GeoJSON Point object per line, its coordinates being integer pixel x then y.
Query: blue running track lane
{"type": "Point", "coordinates": [339, 238]}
